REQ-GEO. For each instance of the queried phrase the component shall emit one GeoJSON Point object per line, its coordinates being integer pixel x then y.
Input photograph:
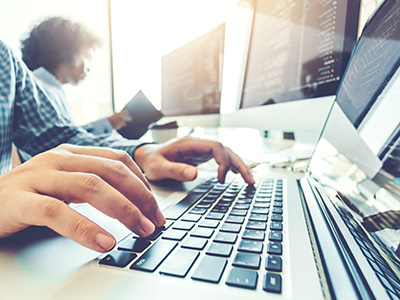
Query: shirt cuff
{"type": "Point", "coordinates": [101, 126]}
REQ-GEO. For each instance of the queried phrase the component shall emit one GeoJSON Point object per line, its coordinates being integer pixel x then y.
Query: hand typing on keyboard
{"type": "Point", "coordinates": [177, 160]}
{"type": "Point", "coordinates": [107, 179]}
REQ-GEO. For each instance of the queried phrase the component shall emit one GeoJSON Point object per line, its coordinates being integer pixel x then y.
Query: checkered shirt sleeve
{"type": "Point", "coordinates": [30, 120]}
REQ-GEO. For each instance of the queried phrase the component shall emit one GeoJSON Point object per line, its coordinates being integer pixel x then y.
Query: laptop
{"type": "Point", "coordinates": [142, 113]}
{"type": "Point", "coordinates": [330, 233]}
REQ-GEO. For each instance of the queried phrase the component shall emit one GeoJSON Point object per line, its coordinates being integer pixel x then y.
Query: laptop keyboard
{"type": "Point", "coordinates": [232, 228]}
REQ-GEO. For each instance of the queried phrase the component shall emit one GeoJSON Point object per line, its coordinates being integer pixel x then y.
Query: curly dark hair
{"type": "Point", "coordinates": [56, 41]}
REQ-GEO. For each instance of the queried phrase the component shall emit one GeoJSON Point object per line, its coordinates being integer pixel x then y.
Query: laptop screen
{"type": "Point", "coordinates": [358, 155]}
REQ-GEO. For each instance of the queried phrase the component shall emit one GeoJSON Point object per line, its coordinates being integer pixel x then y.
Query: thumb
{"type": "Point", "coordinates": [175, 170]}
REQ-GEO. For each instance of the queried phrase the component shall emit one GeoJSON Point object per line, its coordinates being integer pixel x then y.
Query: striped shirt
{"type": "Point", "coordinates": [32, 120]}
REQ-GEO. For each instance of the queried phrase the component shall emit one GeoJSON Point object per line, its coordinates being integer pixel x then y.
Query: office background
{"type": "Point", "coordinates": [91, 98]}
{"type": "Point", "coordinates": [142, 32]}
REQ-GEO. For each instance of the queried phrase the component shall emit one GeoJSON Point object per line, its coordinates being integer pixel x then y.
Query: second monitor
{"type": "Point", "coordinates": [191, 76]}
{"type": "Point", "coordinates": [299, 49]}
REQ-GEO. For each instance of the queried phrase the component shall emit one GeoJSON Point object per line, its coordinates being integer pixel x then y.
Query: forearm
{"type": "Point", "coordinates": [109, 141]}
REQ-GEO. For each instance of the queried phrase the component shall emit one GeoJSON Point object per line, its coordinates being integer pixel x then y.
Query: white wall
{"type": "Point", "coordinates": [145, 30]}
{"type": "Point", "coordinates": [91, 99]}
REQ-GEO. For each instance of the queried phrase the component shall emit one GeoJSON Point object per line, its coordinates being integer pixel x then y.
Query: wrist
{"type": "Point", "coordinates": [112, 121]}
{"type": "Point", "coordinates": [141, 154]}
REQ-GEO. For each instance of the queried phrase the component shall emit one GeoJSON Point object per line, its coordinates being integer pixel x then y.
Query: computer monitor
{"type": "Point", "coordinates": [298, 49]}
{"type": "Point", "coordinates": [191, 76]}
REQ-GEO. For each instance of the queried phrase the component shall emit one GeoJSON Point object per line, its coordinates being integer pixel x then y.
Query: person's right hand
{"type": "Point", "coordinates": [37, 193]}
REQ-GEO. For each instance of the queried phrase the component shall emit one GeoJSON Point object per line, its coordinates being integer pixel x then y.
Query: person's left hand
{"type": "Point", "coordinates": [177, 160]}
{"type": "Point", "coordinates": [119, 119]}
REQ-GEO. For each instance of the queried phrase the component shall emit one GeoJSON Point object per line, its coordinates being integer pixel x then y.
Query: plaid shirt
{"type": "Point", "coordinates": [33, 121]}
{"type": "Point", "coordinates": [55, 90]}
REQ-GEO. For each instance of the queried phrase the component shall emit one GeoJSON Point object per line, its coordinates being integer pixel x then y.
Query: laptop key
{"type": "Point", "coordinates": [215, 216]}
{"type": "Point", "coordinates": [238, 212]}
{"type": "Point", "coordinates": [277, 210]}
{"type": "Point", "coordinates": [203, 232]}
{"type": "Point", "coordinates": [256, 235]}
{"type": "Point", "coordinates": [152, 237]}
{"type": "Point", "coordinates": [194, 243]}
{"type": "Point", "coordinates": [273, 263]}
{"type": "Point", "coordinates": [247, 260]}
{"type": "Point", "coordinates": [256, 225]}
{"type": "Point", "coordinates": [179, 263]}
{"type": "Point", "coordinates": [276, 226]}
{"type": "Point", "coordinates": [118, 259]}
{"type": "Point", "coordinates": [210, 269]}
{"type": "Point", "coordinates": [201, 189]}
{"type": "Point", "coordinates": [203, 206]}
{"type": "Point", "coordinates": [209, 223]}
{"type": "Point", "coordinates": [230, 194]}
{"type": "Point", "coordinates": [206, 201]}
{"type": "Point", "coordinates": [219, 249]}
{"type": "Point", "coordinates": [191, 218]}
{"type": "Point", "coordinates": [241, 206]}
{"type": "Point", "coordinates": [261, 205]}
{"type": "Point", "coordinates": [167, 224]}
{"type": "Point", "coordinates": [154, 256]}
{"type": "Point", "coordinates": [225, 237]}
{"type": "Point", "coordinates": [275, 236]}
{"type": "Point", "coordinates": [225, 202]}
{"type": "Point", "coordinates": [274, 248]}
{"type": "Point", "coordinates": [134, 245]}
{"type": "Point", "coordinates": [260, 210]}
{"type": "Point", "coordinates": [265, 193]}
{"type": "Point", "coordinates": [250, 246]}
{"type": "Point", "coordinates": [198, 211]}
{"type": "Point", "coordinates": [258, 217]}
{"type": "Point", "coordinates": [183, 225]}
{"type": "Point", "coordinates": [262, 201]}
{"type": "Point", "coordinates": [276, 218]}
{"type": "Point", "coordinates": [210, 197]}
{"type": "Point", "coordinates": [273, 283]}
{"type": "Point", "coordinates": [220, 210]}
{"type": "Point", "coordinates": [174, 212]}
{"type": "Point", "coordinates": [174, 234]}
{"type": "Point", "coordinates": [229, 227]}
{"type": "Point", "coordinates": [244, 201]}
{"type": "Point", "coordinates": [242, 278]}
{"type": "Point", "coordinates": [235, 219]}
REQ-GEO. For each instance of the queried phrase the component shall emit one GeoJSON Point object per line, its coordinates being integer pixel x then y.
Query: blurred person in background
{"type": "Point", "coordinates": [58, 51]}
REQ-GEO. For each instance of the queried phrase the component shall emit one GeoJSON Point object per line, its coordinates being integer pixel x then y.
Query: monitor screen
{"type": "Point", "coordinates": [298, 49]}
{"type": "Point", "coordinates": [191, 76]}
